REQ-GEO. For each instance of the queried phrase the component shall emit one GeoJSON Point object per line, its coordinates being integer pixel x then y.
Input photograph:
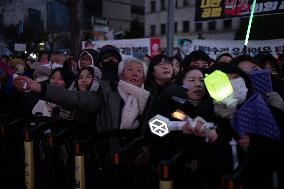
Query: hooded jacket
{"type": "Point", "coordinates": [91, 53]}
{"type": "Point", "coordinates": [107, 50]}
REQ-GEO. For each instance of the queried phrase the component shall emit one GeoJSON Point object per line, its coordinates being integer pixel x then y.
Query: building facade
{"type": "Point", "coordinates": [118, 13]}
{"type": "Point", "coordinates": [16, 11]}
{"type": "Point", "coordinates": [57, 17]}
{"type": "Point", "coordinates": [137, 10]}
{"type": "Point", "coordinates": [185, 25]}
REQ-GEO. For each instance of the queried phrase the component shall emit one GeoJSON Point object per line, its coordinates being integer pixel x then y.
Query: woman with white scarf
{"type": "Point", "coordinates": [131, 90]}
{"type": "Point", "coordinates": [136, 103]}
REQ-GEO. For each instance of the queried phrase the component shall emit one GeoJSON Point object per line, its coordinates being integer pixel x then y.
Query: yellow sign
{"type": "Point", "coordinates": [211, 8]}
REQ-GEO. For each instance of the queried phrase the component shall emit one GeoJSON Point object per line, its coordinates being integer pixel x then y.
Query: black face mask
{"type": "Point", "coordinates": [109, 65]}
{"type": "Point", "coordinates": [110, 70]}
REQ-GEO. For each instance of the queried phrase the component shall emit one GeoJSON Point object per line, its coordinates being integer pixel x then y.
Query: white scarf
{"type": "Point", "coordinates": [135, 100]}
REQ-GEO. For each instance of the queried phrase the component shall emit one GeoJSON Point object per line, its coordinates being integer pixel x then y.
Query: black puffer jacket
{"type": "Point", "coordinates": [164, 103]}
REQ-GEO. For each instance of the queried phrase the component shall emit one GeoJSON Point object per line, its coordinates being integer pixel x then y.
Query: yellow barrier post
{"type": "Point", "coordinates": [79, 168]}
{"type": "Point", "coordinates": [166, 181]}
{"type": "Point", "coordinates": [29, 160]}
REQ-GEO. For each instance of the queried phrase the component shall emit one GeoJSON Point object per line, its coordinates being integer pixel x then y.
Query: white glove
{"type": "Point", "coordinates": [275, 100]}
{"type": "Point", "coordinates": [202, 128]}
{"type": "Point", "coordinates": [230, 101]}
{"type": "Point", "coordinates": [223, 111]}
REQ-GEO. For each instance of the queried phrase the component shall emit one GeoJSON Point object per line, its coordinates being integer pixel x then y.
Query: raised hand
{"type": "Point", "coordinates": [275, 100]}
{"type": "Point", "coordinates": [26, 85]}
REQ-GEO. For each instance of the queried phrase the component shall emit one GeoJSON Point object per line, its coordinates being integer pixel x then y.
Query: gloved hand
{"type": "Point", "coordinates": [198, 128]}
{"type": "Point", "coordinates": [195, 127]}
{"type": "Point", "coordinates": [223, 111]}
{"type": "Point", "coordinates": [275, 100]}
{"type": "Point", "coordinates": [229, 101]}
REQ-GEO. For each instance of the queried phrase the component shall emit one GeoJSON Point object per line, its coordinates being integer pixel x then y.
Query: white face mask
{"type": "Point", "coordinates": [240, 89]}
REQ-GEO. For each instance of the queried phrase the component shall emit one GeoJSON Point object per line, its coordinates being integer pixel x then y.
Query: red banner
{"type": "Point", "coordinates": [223, 9]}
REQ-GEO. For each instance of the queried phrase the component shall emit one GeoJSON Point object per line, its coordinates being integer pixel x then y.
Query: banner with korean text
{"type": "Point", "coordinates": [224, 9]}
{"type": "Point", "coordinates": [131, 47]}
{"type": "Point", "coordinates": [235, 47]}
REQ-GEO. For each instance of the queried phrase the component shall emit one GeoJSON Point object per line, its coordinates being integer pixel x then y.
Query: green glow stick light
{"type": "Point", "coordinates": [220, 88]}
{"type": "Point", "coordinates": [249, 26]}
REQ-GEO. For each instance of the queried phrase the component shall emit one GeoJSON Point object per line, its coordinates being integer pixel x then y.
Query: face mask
{"type": "Point", "coordinates": [109, 65]}
{"type": "Point", "coordinates": [240, 89]}
{"type": "Point", "coordinates": [261, 82]}
{"type": "Point", "coordinates": [55, 65]}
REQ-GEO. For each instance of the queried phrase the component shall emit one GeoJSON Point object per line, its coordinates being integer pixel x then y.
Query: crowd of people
{"type": "Point", "coordinates": [103, 90]}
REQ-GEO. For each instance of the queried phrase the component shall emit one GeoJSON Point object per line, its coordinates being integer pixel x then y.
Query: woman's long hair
{"type": "Point", "coordinates": [91, 71]}
{"type": "Point", "coordinates": [67, 76]}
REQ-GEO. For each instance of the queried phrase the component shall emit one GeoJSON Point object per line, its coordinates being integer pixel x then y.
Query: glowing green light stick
{"type": "Point", "coordinates": [218, 85]}
{"type": "Point", "coordinates": [249, 25]}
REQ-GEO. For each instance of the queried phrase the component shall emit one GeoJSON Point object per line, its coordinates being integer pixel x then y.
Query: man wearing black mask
{"type": "Point", "coordinates": [108, 61]}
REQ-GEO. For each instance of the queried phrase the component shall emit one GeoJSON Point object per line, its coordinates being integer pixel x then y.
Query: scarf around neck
{"type": "Point", "coordinates": [135, 99]}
